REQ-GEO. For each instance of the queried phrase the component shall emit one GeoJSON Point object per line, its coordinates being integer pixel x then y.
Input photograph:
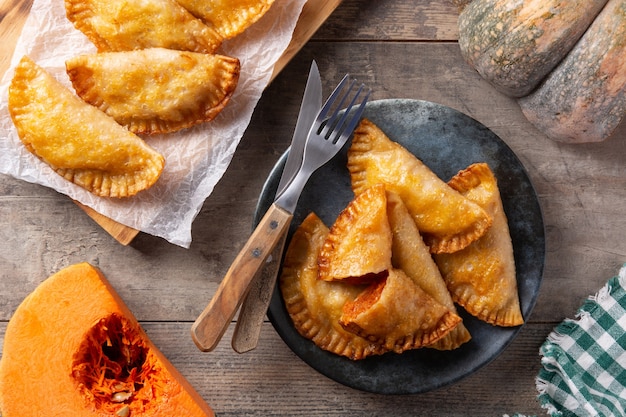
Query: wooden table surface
{"type": "Point", "coordinates": [402, 49]}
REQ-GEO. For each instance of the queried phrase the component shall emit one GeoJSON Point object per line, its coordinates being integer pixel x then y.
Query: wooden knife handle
{"type": "Point", "coordinates": [210, 326]}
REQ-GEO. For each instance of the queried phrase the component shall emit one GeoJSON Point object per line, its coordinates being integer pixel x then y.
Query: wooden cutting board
{"type": "Point", "coordinates": [14, 13]}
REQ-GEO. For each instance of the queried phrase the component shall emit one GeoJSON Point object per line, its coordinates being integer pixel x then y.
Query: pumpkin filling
{"type": "Point", "coordinates": [113, 368]}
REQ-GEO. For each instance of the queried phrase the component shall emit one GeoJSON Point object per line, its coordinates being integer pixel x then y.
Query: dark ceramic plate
{"type": "Point", "coordinates": [446, 141]}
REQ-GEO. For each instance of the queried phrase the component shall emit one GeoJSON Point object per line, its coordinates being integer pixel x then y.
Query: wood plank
{"type": "Point", "coordinates": [237, 385]}
{"type": "Point", "coordinates": [313, 15]}
{"type": "Point", "coordinates": [359, 20]}
{"type": "Point", "coordinates": [13, 14]}
{"type": "Point", "coordinates": [120, 232]}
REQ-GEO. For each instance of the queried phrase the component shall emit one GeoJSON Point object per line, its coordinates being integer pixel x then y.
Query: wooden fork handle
{"type": "Point", "coordinates": [256, 303]}
{"type": "Point", "coordinates": [210, 326]}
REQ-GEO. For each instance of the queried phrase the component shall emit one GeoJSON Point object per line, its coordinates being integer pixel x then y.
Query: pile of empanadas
{"type": "Point", "coordinates": [387, 274]}
{"type": "Point", "coordinates": [156, 71]}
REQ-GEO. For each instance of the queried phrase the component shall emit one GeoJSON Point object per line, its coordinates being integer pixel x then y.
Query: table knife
{"type": "Point", "coordinates": [254, 306]}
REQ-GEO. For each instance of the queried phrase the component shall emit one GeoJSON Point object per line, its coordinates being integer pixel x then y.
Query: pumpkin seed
{"type": "Point", "coordinates": [120, 397]}
{"type": "Point", "coordinates": [123, 412]}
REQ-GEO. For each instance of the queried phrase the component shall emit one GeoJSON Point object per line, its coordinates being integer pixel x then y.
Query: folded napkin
{"type": "Point", "coordinates": [584, 359]}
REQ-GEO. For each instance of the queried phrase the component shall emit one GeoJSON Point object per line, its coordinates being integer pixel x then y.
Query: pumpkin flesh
{"type": "Point", "coordinates": [74, 348]}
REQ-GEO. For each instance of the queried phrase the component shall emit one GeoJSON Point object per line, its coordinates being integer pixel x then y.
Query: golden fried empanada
{"type": "Point", "coordinates": [228, 17]}
{"type": "Point", "coordinates": [411, 255]}
{"type": "Point", "coordinates": [482, 277]}
{"type": "Point", "coordinates": [155, 90]}
{"type": "Point", "coordinates": [78, 141]}
{"type": "Point", "coordinates": [314, 305]}
{"type": "Point", "coordinates": [121, 25]}
{"type": "Point", "coordinates": [447, 220]}
{"type": "Point", "coordinates": [359, 243]}
{"type": "Point", "coordinates": [396, 313]}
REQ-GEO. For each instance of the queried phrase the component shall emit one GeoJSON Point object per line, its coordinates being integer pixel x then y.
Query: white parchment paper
{"type": "Point", "coordinates": [195, 159]}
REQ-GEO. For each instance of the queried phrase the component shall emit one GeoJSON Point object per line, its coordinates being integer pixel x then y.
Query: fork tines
{"type": "Point", "coordinates": [338, 125]}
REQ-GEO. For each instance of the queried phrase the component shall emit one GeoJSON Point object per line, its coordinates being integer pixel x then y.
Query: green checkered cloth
{"type": "Point", "coordinates": [584, 360]}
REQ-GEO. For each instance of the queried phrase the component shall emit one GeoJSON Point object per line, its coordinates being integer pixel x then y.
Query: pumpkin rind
{"type": "Point", "coordinates": [60, 330]}
{"type": "Point", "coordinates": [515, 44]}
{"type": "Point", "coordinates": [584, 98]}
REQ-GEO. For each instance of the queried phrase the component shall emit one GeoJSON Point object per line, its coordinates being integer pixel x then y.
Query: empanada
{"type": "Point", "coordinates": [120, 25]}
{"type": "Point", "coordinates": [447, 220]}
{"type": "Point", "coordinates": [155, 90]}
{"type": "Point", "coordinates": [482, 277]}
{"type": "Point", "coordinates": [78, 141]}
{"type": "Point", "coordinates": [228, 17]}
{"type": "Point", "coordinates": [359, 243]}
{"type": "Point", "coordinates": [396, 313]}
{"type": "Point", "coordinates": [314, 305]}
{"type": "Point", "coordinates": [411, 255]}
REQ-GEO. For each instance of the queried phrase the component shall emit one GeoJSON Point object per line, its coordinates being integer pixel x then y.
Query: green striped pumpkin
{"type": "Point", "coordinates": [514, 44]}
{"type": "Point", "coordinates": [584, 98]}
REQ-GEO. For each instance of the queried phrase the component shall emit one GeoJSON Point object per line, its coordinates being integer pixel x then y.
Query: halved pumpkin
{"type": "Point", "coordinates": [73, 348]}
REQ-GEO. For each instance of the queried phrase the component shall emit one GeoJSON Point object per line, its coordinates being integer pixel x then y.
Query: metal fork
{"type": "Point", "coordinates": [329, 132]}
